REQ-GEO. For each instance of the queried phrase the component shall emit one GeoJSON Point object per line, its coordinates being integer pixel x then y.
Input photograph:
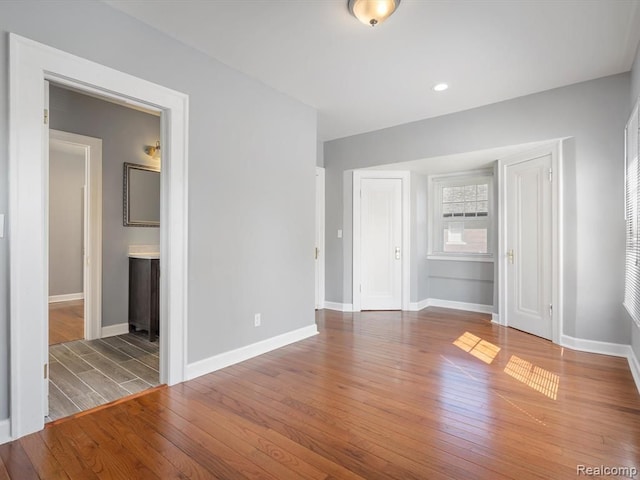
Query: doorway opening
{"type": "Point", "coordinates": [95, 353]}
{"type": "Point", "coordinates": [31, 65]}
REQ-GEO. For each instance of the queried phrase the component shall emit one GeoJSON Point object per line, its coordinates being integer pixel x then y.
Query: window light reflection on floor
{"type": "Point", "coordinates": [477, 347]}
{"type": "Point", "coordinates": [537, 378]}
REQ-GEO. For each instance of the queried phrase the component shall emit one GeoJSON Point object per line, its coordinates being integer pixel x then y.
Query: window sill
{"type": "Point", "coordinates": [461, 257]}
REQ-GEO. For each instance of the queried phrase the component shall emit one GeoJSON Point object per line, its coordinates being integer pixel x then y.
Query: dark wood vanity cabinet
{"type": "Point", "coordinates": [144, 295]}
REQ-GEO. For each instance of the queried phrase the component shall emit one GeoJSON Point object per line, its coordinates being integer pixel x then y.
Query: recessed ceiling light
{"type": "Point", "coordinates": [440, 87]}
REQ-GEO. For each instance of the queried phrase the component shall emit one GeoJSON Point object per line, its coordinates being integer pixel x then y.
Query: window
{"type": "Point", "coordinates": [632, 210]}
{"type": "Point", "coordinates": [461, 215]}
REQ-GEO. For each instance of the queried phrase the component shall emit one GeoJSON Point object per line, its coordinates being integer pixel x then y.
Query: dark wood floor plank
{"type": "Point", "coordinates": [16, 462]}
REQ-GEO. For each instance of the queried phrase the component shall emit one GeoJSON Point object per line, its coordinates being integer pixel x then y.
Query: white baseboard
{"type": "Point", "coordinates": [634, 366]}
{"type": "Point", "coordinates": [66, 298]}
{"type": "Point", "coordinates": [495, 318]}
{"type": "Point", "coordinates": [594, 346]}
{"type": "Point", "coordinates": [339, 307]}
{"type": "Point", "coordinates": [605, 348]}
{"type": "Point", "coordinates": [211, 364]}
{"type": "Point", "coordinates": [113, 330]}
{"type": "Point", "coordinates": [469, 307]}
{"type": "Point", "coordinates": [417, 306]}
{"type": "Point", "coordinates": [5, 431]}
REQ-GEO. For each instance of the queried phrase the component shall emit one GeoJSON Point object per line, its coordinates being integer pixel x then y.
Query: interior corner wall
{"type": "Point", "coordinates": [419, 241]}
{"type": "Point", "coordinates": [593, 113]}
{"type": "Point", "coordinates": [124, 133]}
{"type": "Point", "coordinates": [252, 159]}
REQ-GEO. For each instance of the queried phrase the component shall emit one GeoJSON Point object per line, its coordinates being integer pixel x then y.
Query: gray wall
{"type": "Point", "coordinates": [252, 157]}
{"type": "Point", "coordinates": [124, 133]}
{"type": "Point", "coordinates": [594, 113]}
{"type": "Point", "coordinates": [66, 182]}
{"type": "Point", "coordinates": [635, 93]}
{"type": "Point", "coordinates": [419, 241]}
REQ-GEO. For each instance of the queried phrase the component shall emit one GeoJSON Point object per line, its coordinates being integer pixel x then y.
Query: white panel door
{"type": "Point", "coordinates": [380, 243]}
{"type": "Point", "coordinates": [529, 255]}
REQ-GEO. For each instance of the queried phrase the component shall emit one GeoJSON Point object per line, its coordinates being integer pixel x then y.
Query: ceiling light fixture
{"type": "Point", "coordinates": [372, 12]}
{"type": "Point", "coordinates": [440, 87]}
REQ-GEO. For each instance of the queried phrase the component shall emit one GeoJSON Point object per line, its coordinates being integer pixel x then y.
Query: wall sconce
{"type": "Point", "coordinates": [153, 151]}
{"type": "Point", "coordinates": [372, 12]}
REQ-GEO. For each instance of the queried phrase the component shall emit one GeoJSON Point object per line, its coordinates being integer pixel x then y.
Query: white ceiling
{"type": "Point", "coordinates": [362, 79]}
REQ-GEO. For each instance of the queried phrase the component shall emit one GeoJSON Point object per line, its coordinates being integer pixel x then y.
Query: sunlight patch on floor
{"type": "Point", "coordinates": [476, 346]}
{"type": "Point", "coordinates": [539, 379]}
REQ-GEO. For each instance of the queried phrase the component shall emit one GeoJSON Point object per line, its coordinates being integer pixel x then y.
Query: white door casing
{"type": "Point", "coordinates": [530, 247]}
{"type": "Point", "coordinates": [381, 204]}
{"type": "Point", "coordinates": [92, 275]}
{"type": "Point", "coordinates": [319, 253]}
{"type": "Point", "coordinates": [30, 65]}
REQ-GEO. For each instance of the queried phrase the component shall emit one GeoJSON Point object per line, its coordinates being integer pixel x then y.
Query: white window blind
{"type": "Point", "coordinates": [632, 210]}
{"type": "Point", "coordinates": [461, 215]}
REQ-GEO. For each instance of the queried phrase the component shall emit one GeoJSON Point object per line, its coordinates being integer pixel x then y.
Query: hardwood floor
{"type": "Point", "coordinates": [66, 321]}
{"type": "Point", "coordinates": [426, 395]}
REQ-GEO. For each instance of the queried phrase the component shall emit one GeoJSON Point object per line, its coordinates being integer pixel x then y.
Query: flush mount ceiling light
{"type": "Point", "coordinates": [372, 12]}
{"type": "Point", "coordinates": [440, 87]}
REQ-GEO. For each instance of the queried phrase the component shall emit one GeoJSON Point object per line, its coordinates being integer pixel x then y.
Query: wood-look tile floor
{"type": "Point", "coordinates": [84, 374]}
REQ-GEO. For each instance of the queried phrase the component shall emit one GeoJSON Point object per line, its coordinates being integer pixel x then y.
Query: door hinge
{"type": "Point", "coordinates": [550, 311]}
{"type": "Point", "coordinates": [317, 252]}
{"type": "Point", "coordinates": [46, 116]}
{"type": "Point", "coordinates": [551, 175]}
{"type": "Point", "coordinates": [46, 371]}
{"type": "Point", "coordinates": [360, 288]}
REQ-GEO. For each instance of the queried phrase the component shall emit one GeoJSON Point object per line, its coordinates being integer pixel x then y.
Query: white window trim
{"type": "Point", "coordinates": [434, 211]}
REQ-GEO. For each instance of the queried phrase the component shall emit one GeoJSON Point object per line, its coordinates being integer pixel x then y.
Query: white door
{"type": "Point", "coordinates": [319, 252]}
{"type": "Point", "coordinates": [380, 244]}
{"type": "Point", "coordinates": [529, 240]}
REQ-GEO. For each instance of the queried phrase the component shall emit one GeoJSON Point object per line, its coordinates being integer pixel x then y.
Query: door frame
{"type": "Point", "coordinates": [553, 148]}
{"type": "Point", "coordinates": [405, 177]}
{"type": "Point", "coordinates": [92, 224]}
{"type": "Point", "coordinates": [320, 219]}
{"type": "Point", "coordinates": [30, 65]}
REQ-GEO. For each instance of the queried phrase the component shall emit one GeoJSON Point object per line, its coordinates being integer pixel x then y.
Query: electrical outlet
{"type": "Point", "coordinates": [257, 320]}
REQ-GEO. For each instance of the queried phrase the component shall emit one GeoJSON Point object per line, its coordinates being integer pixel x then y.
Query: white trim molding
{"type": "Point", "coordinates": [495, 318]}
{"type": "Point", "coordinates": [67, 297]}
{"type": "Point", "coordinates": [31, 64]}
{"type": "Point", "coordinates": [405, 177]}
{"type": "Point", "coordinates": [553, 148]}
{"type": "Point", "coordinates": [226, 359]}
{"type": "Point", "coordinates": [5, 431]}
{"type": "Point", "coordinates": [605, 348]}
{"type": "Point", "coordinates": [338, 307]}
{"type": "Point", "coordinates": [417, 306]}
{"type": "Point", "coordinates": [594, 346]}
{"type": "Point", "coordinates": [113, 330]}
{"type": "Point", "coordinates": [634, 366]}
{"type": "Point", "coordinates": [469, 307]}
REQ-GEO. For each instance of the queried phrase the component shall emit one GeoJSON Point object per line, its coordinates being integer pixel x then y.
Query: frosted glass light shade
{"type": "Point", "coordinates": [372, 12]}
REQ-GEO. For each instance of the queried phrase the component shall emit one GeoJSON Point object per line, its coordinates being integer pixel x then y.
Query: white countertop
{"type": "Point", "coordinates": [149, 256]}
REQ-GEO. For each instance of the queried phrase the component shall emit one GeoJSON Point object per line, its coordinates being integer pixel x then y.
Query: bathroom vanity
{"type": "Point", "coordinates": [144, 293]}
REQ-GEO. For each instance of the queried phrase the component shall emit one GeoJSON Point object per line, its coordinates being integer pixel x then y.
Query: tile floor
{"type": "Point", "coordinates": [87, 373]}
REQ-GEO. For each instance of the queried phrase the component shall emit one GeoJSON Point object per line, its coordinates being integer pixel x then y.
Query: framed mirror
{"type": "Point", "coordinates": [141, 195]}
